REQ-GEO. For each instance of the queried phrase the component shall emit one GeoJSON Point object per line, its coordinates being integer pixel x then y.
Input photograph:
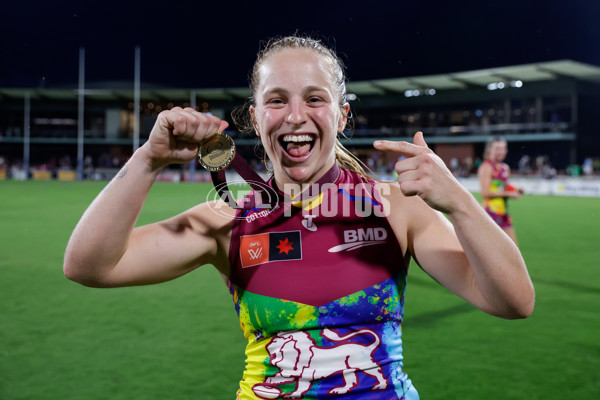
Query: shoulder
{"type": "Point", "coordinates": [214, 214]}
{"type": "Point", "coordinates": [486, 165]}
{"type": "Point", "coordinates": [406, 214]}
{"type": "Point", "coordinates": [485, 168]}
{"type": "Point", "coordinates": [212, 220]}
{"type": "Point", "coordinates": [211, 225]}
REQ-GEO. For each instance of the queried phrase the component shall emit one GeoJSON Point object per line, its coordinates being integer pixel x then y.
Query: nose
{"type": "Point", "coordinates": [296, 113]}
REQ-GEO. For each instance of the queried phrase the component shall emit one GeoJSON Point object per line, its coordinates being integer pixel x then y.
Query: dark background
{"type": "Point", "coordinates": [197, 44]}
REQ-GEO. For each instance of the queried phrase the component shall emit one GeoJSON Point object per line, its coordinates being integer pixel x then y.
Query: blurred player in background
{"type": "Point", "coordinates": [495, 189]}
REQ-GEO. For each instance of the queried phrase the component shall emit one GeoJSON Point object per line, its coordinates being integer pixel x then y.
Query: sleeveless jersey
{"type": "Point", "coordinates": [497, 207]}
{"type": "Point", "coordinates": [318, 285]}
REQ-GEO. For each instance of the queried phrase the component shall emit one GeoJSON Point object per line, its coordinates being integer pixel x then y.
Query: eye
{"type": "Point", "coordinates": [315, 100]}
{"type": "Point", "coordinates": [274, 103]}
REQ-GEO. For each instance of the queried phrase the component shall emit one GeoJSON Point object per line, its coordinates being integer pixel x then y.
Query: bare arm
{"type": "Point", "coordinates": [105, 250]}
{"type": "Point", "coordinates": [471, 255]}
{"type": "Point", "coordinates": [484, 173]}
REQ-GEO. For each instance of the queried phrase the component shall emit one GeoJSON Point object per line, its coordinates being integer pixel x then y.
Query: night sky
{"type": "Point", "coordinates": [197, 44]}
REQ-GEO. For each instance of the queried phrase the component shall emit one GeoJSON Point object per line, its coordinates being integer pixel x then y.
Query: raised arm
{"type": "Point", "coordinates": [105, 248]}
{"type": "Point", "coordinates": [469, 254]}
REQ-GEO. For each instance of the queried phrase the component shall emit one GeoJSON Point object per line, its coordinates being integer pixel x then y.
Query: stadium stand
{"type": "Point", "coordinates": [546, 111]}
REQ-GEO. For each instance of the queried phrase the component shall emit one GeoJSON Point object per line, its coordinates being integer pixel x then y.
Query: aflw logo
{"type": "Point", "coordinates": [356, 238]}
{"type": "Point", "coordinates": [268, 247]}
{"type": "Point", "coordinates": [255, 253]}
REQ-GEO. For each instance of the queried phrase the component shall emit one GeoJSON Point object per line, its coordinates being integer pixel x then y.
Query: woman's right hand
{"type": "Point", "coordinates": [512, 191]}
{"type": "Point", "coordinates": [177, 134]}
{"type": "Point", "coordinates": [513, 194]}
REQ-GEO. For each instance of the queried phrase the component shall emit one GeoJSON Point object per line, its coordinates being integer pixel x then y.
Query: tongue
{"type": "Point", "coordinates": [298, 149]}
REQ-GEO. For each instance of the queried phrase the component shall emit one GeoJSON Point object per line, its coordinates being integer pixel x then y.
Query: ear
{"type": "Point", "coordinates": [344, 117]}
{"type": "Point", "coordinates": [253, 120]}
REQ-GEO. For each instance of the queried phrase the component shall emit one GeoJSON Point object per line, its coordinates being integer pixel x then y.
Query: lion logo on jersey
{"type": "Point", "coordinates": [301, 361]}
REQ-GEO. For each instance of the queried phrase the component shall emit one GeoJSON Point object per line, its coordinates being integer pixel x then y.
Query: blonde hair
{"type": "Point", "coordinates": [241, 116]}
{"type": "Point", "coordinates": [489, 144]}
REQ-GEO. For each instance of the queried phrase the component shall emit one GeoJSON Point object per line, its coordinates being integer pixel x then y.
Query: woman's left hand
{"type": "Point", "coordinates": [422, 173]}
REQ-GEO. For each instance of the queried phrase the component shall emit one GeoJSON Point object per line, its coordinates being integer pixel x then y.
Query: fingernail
{"type": "Point", "coordinates": [377, 143]}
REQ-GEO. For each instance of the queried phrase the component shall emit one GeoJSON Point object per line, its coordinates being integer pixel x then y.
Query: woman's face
{"type": "Point", "coordinates": [296, 115]}
{"type": "Point", "coordinates": [498, 151]}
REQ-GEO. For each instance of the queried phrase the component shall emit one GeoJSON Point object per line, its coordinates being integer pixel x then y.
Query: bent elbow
{"type": "Point", "coordinates": [514, 308]}
{"type": "Point", "coordinates": [73, 273]}
{"type": "Point", "coordinates": [83, 279]}
{"type": "Point", "coordinates": [528, 309]}
{"type": "Point", "coordinates": [77, 272]}
{"type": "Point", "coordinates": [70, 269]}
{"type": "Point", "coordinates": [529, 304]}
{"type": "Point", "coordinates": [522, 310]}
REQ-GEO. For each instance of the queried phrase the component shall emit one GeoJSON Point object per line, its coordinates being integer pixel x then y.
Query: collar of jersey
{"type": "Point", "coordinates": [330, 177]}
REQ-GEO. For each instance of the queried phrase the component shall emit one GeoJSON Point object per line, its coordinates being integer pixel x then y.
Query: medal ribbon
{"type": "Point", "coordinates": [255, 181]}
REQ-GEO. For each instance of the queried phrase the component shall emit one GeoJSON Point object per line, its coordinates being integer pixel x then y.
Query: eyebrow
{"type": "Point", "coordinates": [308, 89]}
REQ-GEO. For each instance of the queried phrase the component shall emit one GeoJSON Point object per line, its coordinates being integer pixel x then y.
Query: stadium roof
{"type": "Point", "coordinates": [543, 71]}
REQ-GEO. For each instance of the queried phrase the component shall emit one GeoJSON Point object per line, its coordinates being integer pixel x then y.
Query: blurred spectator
{"type": "Point", "coordinates": [588, 166]}
{"type": "Point", "coordinates": [65, 162]}
{"type": "Point", "coordinates": [3, 173]}
{"type": "Point", "coordinates": [88, 162]}
{"type": "Point", "coordinates": [373, 160]}
{"type": "Point", "coordinates": [454, 165]}
{"type": "Point", "coordinates": [545, 169]}
{"type": "Point", "coordinates": [104, 161]}
{"type": "Point", "coordinates": [574, 170]}
{"type": "Point", "coordinates": [539, 163]}
{"type": "Point", "coordinates": [17, 171]}
{"type": "Point", "coordinates": [88, 167]}
{"type": "Point", "coordinates": [477, 163]}
{"type": "Point", "coordinates": [524, 166]}
{"type": "Point", "coordinates": [466, 167]}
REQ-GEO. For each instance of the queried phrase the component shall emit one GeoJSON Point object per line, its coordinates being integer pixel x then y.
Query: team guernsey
{"type": "Point", "coordinates": [318, 284]}
{"type": "Point", "coordinates": [497, 207]}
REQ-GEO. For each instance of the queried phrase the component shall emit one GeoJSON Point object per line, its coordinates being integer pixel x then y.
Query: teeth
{"type": "Point", "coordinates": [297, 138]}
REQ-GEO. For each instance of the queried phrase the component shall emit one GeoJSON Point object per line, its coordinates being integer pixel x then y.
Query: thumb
{"type": "Point", "coordinates": [419, 140]}
{"type": "Point", "coordinates": [223, 126]}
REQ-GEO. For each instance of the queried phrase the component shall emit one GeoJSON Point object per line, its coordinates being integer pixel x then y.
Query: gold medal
{"type": "Point", "coordinates": [216, 152]}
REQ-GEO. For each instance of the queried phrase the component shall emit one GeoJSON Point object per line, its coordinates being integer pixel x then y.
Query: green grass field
{"type": "Point", "coordinates": [181, 339]}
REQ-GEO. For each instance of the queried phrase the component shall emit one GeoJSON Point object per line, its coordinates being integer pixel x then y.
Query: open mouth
{"type": "Point", "coordinates": [297, 146]}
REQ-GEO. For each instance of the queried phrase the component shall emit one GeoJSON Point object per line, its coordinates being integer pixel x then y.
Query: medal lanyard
{"type": "Point", "coordinates": [216, 154]}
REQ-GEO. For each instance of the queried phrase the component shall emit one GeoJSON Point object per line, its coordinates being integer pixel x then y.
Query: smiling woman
{"type": "Point", "coordinates": [317, 278]}
{"type": "Point", "coordinates": [329, 90]}
{"type": "Point", "coordinates": [296, 115]}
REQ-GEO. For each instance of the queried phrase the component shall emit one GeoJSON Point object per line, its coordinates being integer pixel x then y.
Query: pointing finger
{"type": "Point", "coordinates": [403, 148]}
